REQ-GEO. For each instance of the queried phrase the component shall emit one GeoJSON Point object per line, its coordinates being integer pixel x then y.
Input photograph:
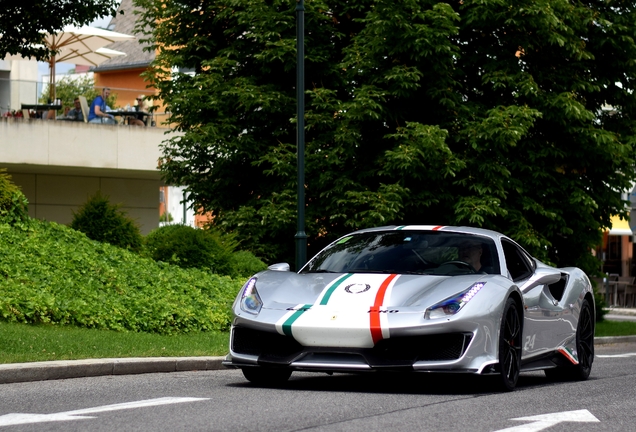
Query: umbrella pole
{"type": "Point", "coordinates": [52, 80]}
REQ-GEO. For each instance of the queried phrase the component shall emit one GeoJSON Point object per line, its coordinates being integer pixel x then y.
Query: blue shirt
{"type": "Point", "coordinates": [98, 101]}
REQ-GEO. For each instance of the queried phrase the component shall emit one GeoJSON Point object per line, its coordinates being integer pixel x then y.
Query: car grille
{"type": "Point", "coordinates": [440, 347]}
{"type": "Point", "coordinates": [404, 351]}
{"type": "Point", "coordinates": [268, 346]}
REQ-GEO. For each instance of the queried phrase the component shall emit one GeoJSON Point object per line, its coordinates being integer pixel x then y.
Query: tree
{"type": "Point", "coordinates": [22, 24]}
{"type": "Point", "coordinates": [487, 113]}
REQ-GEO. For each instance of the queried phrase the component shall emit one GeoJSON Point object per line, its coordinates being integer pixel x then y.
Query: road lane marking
{"type": "Point", "coordinates": [21, 418]}
{"type": "Point", "coordinates": [544, 421]}
{"type": "Point", "coordinates": [615, 355]}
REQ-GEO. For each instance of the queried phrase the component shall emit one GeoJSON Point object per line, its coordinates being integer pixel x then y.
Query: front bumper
{"type": "Point", "coordinates": [444, 352]}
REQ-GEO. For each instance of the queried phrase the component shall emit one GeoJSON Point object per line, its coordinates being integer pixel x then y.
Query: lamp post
{"type": "Point", "coordinates": [301, 237]}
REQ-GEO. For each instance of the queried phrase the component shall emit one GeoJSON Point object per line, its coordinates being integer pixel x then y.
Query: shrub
{"type": "Point", "coordinates": [14, 207]}
{"type": "Point", "coordinates": [54, 274]}
{"type": "Point", "coordinates": [189, 247]}
{"type": "Point", "coordinates": [105, 222]}
{"type": "Point", "coordinates": [245, 264]}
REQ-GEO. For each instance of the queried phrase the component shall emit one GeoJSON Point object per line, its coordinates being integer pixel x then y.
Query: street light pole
{"type": "Point", "coordinates": [301, 237]}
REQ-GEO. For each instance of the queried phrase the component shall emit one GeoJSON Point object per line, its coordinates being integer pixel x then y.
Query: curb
{"type": "Point", "coordinates": [606, 340]}
{"type": "Point", "coordinates": [63, 369]}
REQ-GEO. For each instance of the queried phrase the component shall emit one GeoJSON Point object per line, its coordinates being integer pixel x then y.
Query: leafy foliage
{"type": "Point", "coordinates": [13, 204]}
{"type": "Point", "coordinates": [67, 89]}
{"type": "Point", "coordinates": [205, 249]}
{"type": "Point", "coordinates": [105, 222]}
{"type": "Point", "coordinates": [53, 274]}
{"type": "Point", "coordinates": [245, 264]}
{"type": "Point", "coordinates": [188, 247]}
{"type": "Point", "coordinates": [504, 115]}
{"type": "Point", "coordinates": [22, 23]}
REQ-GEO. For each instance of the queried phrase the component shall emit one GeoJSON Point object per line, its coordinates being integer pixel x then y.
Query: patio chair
{"type": "Point", "coordinates": [599, 286]}
{"type": "Point", "coordinates": [621, 288]}
{"type": "Point", "coordinates": [85, 109]}
{"type": "Point", "coordinates": [630, 295]}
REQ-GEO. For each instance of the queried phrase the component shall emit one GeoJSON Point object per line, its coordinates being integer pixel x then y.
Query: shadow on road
{"type": "Point", "coordinates": [403, 383]}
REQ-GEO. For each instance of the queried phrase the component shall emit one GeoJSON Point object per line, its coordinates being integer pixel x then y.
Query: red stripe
{"type": "Point", "coordinates": [376, 329]}
{"type": "Point", "coordinates": [438, 227]}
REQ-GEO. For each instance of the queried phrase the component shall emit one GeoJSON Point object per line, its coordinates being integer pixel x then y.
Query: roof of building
{"type": "Point", "coordinates": [135, 56]}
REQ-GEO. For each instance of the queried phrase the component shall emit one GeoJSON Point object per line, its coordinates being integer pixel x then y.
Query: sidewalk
{"type": "Point", "coordinates": [620, 311]}
{"type": "Point", "coordinates": [63, 369]}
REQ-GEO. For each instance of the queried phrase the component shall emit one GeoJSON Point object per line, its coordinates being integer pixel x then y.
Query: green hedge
{"type": "Point", "coordinates": [50, 273]}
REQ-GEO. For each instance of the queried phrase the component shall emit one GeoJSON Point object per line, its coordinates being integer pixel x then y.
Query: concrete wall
{"type": "Point", "coordinates": [60, 164]}
{"type": "Point", "coordinates": [56, 197]}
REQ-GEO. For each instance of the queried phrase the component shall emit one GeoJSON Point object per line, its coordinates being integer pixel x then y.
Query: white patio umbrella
{"type": "Point", "coordinates": [83, 46]}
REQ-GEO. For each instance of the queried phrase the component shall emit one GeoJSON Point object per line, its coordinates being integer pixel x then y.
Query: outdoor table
{"type": "Point", "coordinates": [139, 115]}
{"type": "Point", "coordinates": [41, 107]}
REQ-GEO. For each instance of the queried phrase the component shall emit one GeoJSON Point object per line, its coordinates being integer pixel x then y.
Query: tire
{"type": "Point", "coordinates": [584, 349]}
{"type": "Point", "coordinates": [510, 334]}
{"type": "Point", "coordinates": [266, 376]}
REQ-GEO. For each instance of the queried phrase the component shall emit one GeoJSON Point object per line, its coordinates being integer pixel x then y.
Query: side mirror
{"type": "Point", "coordinates": [279, 267]}
{"type": "Point", "coordinates": [541, 276]}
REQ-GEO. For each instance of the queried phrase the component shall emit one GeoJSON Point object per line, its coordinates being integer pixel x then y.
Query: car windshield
{"type": "Point", "coordinates": [408, 252]}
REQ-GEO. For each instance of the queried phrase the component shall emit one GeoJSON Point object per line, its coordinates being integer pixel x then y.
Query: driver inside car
{"type": "Point", "coordinates": [470, 252]}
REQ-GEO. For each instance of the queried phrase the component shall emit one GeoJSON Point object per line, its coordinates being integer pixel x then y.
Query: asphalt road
{"type": "Point", "coordinates": [223, 401]}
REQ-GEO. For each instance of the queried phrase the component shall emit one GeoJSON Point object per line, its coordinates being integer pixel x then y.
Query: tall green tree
{"type": "Point", "coordinates": [510, 115]}
{"type": "Point", "coordinates": [23, 23]}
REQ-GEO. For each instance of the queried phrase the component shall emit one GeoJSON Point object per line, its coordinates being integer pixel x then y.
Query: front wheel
{"type": "Point", "coordinates": [584, 349]}
{"type": "Point", "coordinates": [266, 376]}
{"type": "Point", "coordinates": [510, 346]}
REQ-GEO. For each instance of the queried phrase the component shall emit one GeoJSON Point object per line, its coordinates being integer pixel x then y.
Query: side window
{"type": "Point", "coordinates": [517, 261]}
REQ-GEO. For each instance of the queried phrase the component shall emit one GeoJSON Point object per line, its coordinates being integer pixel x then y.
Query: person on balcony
{"type": "Point", "coordinates": [75, 113]}
{"type": "Point", "coordinates": [97, 112]}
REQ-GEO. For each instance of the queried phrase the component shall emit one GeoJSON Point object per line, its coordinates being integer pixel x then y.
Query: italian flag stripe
{"type": "Point", "coordinates": [374, 312]}
{"type": "Point", "coordinates": [332, 288]}
{"type": "Point", "coordinates": [287, 325]}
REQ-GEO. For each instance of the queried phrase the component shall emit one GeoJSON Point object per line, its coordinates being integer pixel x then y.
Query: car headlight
{"type": "Point", "coordinates": [454, 304]}
{"type": "Point", "coordinates": [250, 300]}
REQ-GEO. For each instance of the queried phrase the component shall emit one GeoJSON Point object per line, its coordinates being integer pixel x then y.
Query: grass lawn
{"type": "Point", "coordinates": [615, 328]}
{"type": "Point", "coordinates": [27, 343]}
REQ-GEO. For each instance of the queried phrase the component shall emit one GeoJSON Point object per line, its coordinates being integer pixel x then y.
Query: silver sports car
{"type": "Point", "coordinates": [416, 298]}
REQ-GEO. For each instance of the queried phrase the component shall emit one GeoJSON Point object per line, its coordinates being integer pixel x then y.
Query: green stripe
{"type": "Point", "coordinates": [401, 227]}
{"type": "Point", "coordinates": [333, 287]}
{"type": "Point", "coordinates": [287, 325]}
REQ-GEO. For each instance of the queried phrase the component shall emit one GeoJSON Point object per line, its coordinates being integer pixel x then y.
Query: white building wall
{"type": "Point", "coordinates": [60, 164]}
{"type": "Point", "coordinates": [180, 214]}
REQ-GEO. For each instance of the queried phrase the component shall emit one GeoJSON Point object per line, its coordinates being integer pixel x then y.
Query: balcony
{"type": "Point", "coordinates": [59, 164]}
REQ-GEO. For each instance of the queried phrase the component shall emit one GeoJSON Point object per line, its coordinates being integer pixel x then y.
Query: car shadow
{"type": "Point", "coordinates": [401, 383]}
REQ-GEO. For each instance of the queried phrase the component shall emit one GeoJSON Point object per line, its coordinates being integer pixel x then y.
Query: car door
{"type": "Point", "coordinates": [543, 328]}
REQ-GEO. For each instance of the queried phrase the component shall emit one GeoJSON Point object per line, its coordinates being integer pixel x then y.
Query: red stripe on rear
{"type": "Point", "coordinates": [374, 312]}
{"type": "Point", "coordinates": [438, 227]}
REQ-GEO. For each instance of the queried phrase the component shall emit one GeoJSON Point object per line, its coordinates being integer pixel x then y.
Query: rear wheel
{"type": "Point", "coordinates": [584, 349]}
{"type": "Point", "coordinates": [266, 376]}
{"type": "Point", "coordinates": [510, 346]}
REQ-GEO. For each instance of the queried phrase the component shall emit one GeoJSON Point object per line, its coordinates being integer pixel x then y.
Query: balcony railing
{"type": "Point", "coordinates": [18, 95]}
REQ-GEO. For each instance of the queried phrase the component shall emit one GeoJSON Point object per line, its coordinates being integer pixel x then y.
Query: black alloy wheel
{"type": "Point", "coordinates": [510, 346]}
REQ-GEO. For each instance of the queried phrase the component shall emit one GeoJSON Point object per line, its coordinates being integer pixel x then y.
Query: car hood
{"type": "Point", "coordinates": [282, 290]}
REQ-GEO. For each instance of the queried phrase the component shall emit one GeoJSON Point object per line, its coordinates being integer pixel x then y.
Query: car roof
{"type": "Point", "coordinates": [444, 228]}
